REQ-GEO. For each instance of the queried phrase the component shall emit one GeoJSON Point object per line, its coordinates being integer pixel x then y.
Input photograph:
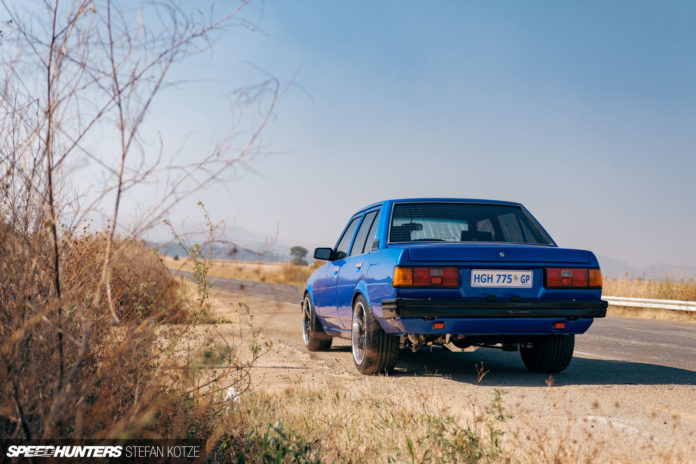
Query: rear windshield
{"type": "Point", "coordinates": [463, 222]}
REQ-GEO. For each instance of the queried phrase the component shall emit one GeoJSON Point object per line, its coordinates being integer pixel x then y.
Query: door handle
{"type": "Point", "coordinates": [358, 266]}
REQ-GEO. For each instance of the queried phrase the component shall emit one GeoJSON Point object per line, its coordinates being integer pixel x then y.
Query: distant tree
{"type": "Point", "coordinates": [298, 254]}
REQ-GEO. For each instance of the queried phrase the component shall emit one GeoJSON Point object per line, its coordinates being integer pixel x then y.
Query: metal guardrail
{"type": "Point", "coordinates": [675, 305]}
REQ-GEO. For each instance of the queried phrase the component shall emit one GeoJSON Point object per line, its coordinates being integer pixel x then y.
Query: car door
{"type": "Point", "coordinates": [354, 268]}
{"type": "Point", "coordinates": [324, 290]}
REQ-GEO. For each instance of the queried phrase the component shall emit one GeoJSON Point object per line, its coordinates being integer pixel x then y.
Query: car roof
{"type": "Point", "coordinates": [443, 200]}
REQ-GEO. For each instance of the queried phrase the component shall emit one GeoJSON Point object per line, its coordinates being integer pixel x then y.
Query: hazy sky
{"type": "Point", "coordinates": [583, 111]}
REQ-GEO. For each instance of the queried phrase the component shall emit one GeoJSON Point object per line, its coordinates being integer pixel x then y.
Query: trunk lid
{"type": "Point", "coordinates": [496, 253]}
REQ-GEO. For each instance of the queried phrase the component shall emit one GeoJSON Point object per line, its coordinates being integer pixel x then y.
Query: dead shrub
{"type": "Point", "coordinates": [106, 380]}
{"type": "Point", "coordinates": [140, 285]}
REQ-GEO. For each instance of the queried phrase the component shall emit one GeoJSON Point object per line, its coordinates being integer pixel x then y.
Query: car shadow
{"type": "Point", "coordinates": [507, 369]}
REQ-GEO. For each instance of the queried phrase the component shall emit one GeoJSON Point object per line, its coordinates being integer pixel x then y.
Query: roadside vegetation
{"type": "Point", "coordinates": [72, 369]}
{"type": "Point", "coordinates": [664, 289]}
{"type": "Point", "coordinates": [305, 424]}
{"type": "Point", "coordinates": [276, 273]}
{"type": "Point", "coordinates": [97, 340]}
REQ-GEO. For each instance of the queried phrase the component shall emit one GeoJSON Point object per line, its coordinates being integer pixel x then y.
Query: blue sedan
{"type": "Point", "coordinates": [451, 272]}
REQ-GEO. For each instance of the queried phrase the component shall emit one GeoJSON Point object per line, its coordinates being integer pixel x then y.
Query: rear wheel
{"type": "Point", "coordinates": [374, 350]}
{"type": "Point", "coordinates": [548, 354]}
{"type": "Point", "coordinates": [315, 339]}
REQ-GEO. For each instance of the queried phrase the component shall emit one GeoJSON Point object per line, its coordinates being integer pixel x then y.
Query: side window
{"type": "Point", "coordinates": [344, 243]}
{"type": "Point", "coordinates": [363, 231]}
{"type": "Point", "coordinates": [371, 235]}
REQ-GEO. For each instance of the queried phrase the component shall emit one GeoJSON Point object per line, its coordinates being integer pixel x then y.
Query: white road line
{"type": "Point", "coordinates": [596, 356]}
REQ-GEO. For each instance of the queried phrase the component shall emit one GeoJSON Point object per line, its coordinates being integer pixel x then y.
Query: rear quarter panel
{"type": "Point", "coordinates": [379, 278]}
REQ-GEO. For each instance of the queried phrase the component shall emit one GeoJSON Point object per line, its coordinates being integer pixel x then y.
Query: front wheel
{"type": "Point", "coordinates": [374, 350]}
{"type": "Point", "coordinates": [315, 339]}
{"type": "Point", "coordinates": [549, 354]}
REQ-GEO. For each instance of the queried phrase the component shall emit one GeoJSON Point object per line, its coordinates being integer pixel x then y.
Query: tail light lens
{"type": "Point", "coordinates": [435, 277]}
{"type": "Point", "coordinates": [595, 278]}
{"type": "Point", "coordinates": [403, 277]}
{"type": "Point", "coordinates": [555, 277]}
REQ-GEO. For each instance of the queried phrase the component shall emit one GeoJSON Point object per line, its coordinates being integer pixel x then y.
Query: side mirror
{"type": "Point", "coordinates": [323, 253]}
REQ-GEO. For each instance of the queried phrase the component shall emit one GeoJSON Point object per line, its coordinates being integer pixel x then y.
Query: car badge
{"type": "Point", "coordinates": [502, 255]}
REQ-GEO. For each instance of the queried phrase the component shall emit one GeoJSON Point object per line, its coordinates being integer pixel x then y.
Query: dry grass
{"type": "Point", "coordinates": [140, 377]}
{"type": "Point", "coordinates": [277, 273]}
{"type": "Point", "coordinates": [368, 423]}
{"type": "Point", "coordinates": [666, 289]}
{"type": "Point", "coordinates": [365, 421]}
{"type": "Point", "coordinates": [139, 286]}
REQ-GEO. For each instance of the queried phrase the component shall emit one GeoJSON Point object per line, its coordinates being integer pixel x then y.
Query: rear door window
{"type": "Point", "coordinates": [346, 238]}
{"type": "Point", "coordinates": [371, 235]}
{"type": "Point", "coordinates": [363, 233]}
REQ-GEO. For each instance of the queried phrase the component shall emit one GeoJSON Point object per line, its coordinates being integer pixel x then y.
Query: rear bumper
{"type": "Point", "coordinates": [434, 309]}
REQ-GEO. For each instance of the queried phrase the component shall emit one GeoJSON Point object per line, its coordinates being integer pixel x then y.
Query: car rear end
{"type": "Point", "coordinates": [493, 289]}
{"type": "Point", "coordinates": [486, 274]}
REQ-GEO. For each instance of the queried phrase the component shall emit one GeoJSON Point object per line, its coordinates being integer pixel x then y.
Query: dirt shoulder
{"type": "Point", "coordinates": [439, 405]}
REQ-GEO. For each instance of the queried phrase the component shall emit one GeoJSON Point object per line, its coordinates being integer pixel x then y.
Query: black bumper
{"type": "Point", "coordinates": [433, 309]}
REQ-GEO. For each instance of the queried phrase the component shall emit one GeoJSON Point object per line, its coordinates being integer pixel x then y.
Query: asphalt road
{"type": "Point", "coordinates": [268, 291]}
{"type": "Point", "coordinates": [670, 345]}
{"type": "Point", "coordinates": [615, 350]}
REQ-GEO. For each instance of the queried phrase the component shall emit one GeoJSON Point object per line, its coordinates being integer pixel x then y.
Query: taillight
{"type": "Point", "coordinates": [436, 277]}
{"type": "Point", "coordinates": [555, 277]}
{"type": "Point", "coordinates": [595, 278]}
{"type": "Point", "coordinates": [403, 277]}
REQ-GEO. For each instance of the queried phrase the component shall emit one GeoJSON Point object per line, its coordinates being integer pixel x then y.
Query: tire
{"type": "Point", "coordinates": [549, 354]}
{"type": "Point", "coordinates": [374, 351]}
{"type": "Point", "coordinates": [315, 339]}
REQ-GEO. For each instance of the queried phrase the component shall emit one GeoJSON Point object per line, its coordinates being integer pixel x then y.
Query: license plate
{"type": "Point", "coordinates": [500, 278]}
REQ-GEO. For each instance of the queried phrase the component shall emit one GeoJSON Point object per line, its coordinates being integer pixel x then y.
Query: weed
{"type": "Point", "coordinates": [201, 263]}
{"type": "Point", "coordinates": [446, 441]}
{"type": "Point", "coordinates": [480, 372]}
{"type": "Point", "coordinates": [272, 445]}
